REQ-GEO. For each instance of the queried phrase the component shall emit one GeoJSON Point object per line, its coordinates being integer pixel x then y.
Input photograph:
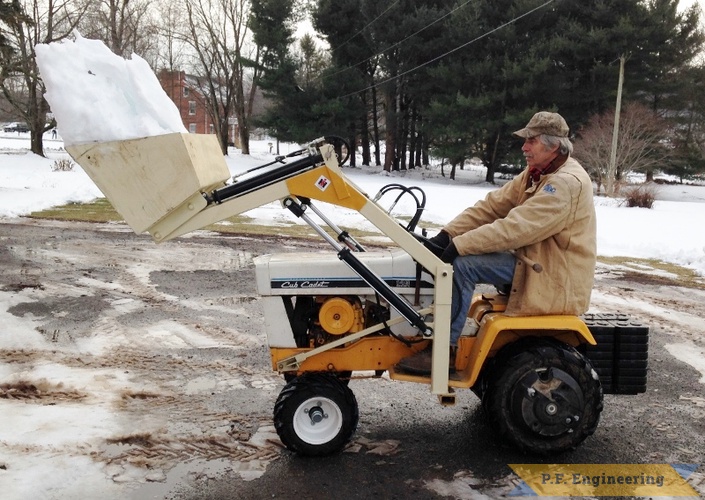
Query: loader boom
{"type": "Point", "coordinates": [319, 177]}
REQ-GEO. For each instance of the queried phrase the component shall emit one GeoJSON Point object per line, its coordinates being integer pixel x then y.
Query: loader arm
{"type": "Point", "coordinates": [319, 177]}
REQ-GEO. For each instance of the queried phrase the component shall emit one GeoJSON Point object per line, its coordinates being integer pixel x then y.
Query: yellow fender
{"type": "Point", "coordinates": [498, 330]}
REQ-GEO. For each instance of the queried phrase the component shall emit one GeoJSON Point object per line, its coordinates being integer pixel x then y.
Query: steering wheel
{"type": "Point", "coordinates": [341, 146]}
{"type": "Point", "coordinates": [435, 249]}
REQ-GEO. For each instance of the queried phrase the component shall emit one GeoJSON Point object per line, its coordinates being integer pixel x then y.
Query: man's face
{"type": "Point", "coordinates": [537, 154]}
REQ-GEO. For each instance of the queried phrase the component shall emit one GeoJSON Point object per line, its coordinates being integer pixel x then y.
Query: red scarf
{"type": "Point", "coordinates": [536, 173]}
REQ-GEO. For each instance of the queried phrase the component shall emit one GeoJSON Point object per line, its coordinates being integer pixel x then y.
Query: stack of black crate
{"type": "Point", "coordinates": [621, 355]}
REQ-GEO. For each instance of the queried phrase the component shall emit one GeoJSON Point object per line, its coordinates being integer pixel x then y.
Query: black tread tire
{"type": "Point", "coordinates": [507, 407]}
{"type": "Point", "coordinates": [300, 392]}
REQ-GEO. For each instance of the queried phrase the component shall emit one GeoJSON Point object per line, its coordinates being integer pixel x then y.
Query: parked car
{"type": "Point", "coordinates": [16, 127]}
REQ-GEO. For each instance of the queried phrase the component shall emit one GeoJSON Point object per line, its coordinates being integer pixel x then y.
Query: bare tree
{"type": "Point", "coordinates": [20, 83]}
{"type": "Point", "coordinates": [171, 49]}
{"type": "Point", "coordinates": [643, 145]}
{"type": "Point", "coordinates": [125, 26]}
{"type": "Point", "coordinates": [225, 62]}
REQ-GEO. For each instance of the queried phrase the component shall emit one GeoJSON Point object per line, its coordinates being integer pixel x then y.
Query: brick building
{"type": "Point", "coordinates": [183, 89]}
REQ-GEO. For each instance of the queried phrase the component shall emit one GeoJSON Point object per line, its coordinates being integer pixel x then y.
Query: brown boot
{"type": "Point", "coordinates": [451, 360]}
{"type": "Point", "coordinates": [420, 363]}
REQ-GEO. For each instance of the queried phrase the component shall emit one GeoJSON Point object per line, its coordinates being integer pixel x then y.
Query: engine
{"type": "Point", "coordinates": [312, 299]}
{"type": "Point", "coordinates": [320, 319]}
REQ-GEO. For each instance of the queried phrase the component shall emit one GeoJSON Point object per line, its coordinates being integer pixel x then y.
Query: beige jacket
{"type": "Point", "coordinates": [553, 223]}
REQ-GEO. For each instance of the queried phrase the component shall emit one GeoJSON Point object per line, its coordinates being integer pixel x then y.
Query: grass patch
{"type": "Point", "coordinates": [242, 224]}
{"type": "Point", "coordinates": [641, 271]}
{"type": "Point", "coordinates": [101, 210]}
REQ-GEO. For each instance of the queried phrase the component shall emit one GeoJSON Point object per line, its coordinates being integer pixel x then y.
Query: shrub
{"type": "Point", "coordinates": [642, 196]}
{"type": "Point", "coordinates": [63, 165]}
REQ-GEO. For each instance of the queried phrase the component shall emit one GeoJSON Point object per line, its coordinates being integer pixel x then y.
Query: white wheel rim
{"type": "Point", "coordinates": [318, 420]}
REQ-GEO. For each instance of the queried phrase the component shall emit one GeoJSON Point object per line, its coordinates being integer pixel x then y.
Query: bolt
{"type": "Point", "coordinates": [551, 408]}
{"type": "Point", "coordinates": [531, 392]}
{"type": "Point", "coordinates": [316, 415]}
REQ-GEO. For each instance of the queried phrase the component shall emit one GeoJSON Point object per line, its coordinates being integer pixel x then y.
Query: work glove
{"type": "Point", "coordinates": [438, 243]}
{"type": "Point", "coordinates": [450, 253]}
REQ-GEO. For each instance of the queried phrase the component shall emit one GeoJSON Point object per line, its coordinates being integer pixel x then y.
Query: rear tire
{"type": "Point", "coordinates": [315, 414]}
{"type": "Point", "coordinates": [543, 396]}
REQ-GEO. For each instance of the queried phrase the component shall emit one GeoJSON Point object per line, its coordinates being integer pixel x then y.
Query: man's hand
{"type": "Point", "coordinates": [438, 243]}
{"type": "Point", "coordinates": [450, 253]}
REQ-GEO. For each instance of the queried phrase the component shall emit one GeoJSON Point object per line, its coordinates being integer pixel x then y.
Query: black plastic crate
{"type": "Point", "coordinates": [621, 355]}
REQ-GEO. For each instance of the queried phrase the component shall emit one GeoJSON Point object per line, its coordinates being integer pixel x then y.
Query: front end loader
{"type": "Point", "coordinates": [330, 317]}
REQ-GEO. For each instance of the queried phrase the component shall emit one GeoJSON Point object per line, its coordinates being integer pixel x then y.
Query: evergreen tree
{"type": "Point", "coordinates": [271, 25]}
{"type": "Point", "coordinates": [344, 104]}
{"type": "Point", "coordinates": [688, 159]}
{"type": "Point", "coordinates": [11, 13]}
{"type": "Point", "coordinates": [496, 82]}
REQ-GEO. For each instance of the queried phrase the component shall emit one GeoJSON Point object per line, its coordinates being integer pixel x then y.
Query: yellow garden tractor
{"type": "Point", "coordinates": [331, 315]}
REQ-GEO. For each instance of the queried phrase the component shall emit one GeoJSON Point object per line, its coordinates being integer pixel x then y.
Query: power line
{"type": "Point", "coordinates": [484, 35]}
{"type": "Point", "coordinates": [397, 43]}
{"type": "Point", "coordinates": [365, 27]}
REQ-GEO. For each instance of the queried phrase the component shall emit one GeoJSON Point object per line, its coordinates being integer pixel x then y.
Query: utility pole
{"type": "Point", "coordinates": [612, 169]}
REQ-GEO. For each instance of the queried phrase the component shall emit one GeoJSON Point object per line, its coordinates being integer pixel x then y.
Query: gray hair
{"type": "Point", "coordinates": [565, 147]}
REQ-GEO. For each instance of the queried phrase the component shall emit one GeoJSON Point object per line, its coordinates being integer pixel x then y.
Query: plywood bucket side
{"type": "Point", "coordinates": [146, 179]}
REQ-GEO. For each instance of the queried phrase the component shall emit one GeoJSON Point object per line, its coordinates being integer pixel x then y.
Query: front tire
{"type": "Point", "coordinates": [543, 396]}
{"type": "Point", "coordinates": [315, 414]}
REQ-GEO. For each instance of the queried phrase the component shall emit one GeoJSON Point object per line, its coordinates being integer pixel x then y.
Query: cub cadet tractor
{"type": "Point", "coordinates": [330, 315]}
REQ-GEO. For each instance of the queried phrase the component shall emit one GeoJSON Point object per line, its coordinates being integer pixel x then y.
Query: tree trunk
{"type": "Point", "coordinates": [413, 140]}
{"type": "Point", "coordinates": [375, 126]}
{"type": "Point", "coordinates": [352, 140]}
{"type": "Point", "coordinates": [244, 137]}
{"type": "Point", "coordinates": [491, 158]}
{"type": "Point", "coordinates": [402, 131]}
{"type": "Point", "coordinates": [365, 133]}
{"type": "Point", "coordinates": [424, 151]}
{"type": "Point", "coordinates": [390, 136]}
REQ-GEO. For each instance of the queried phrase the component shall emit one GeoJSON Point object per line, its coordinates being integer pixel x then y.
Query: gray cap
{"type": "Point", "coordinates": [545, 123]}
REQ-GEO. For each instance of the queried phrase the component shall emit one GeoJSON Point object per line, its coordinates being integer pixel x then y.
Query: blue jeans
{"type": "Point", "coordinates": [469, 270]}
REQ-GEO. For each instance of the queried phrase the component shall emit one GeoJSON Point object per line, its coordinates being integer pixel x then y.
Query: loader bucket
{"type": "Point", "coordinates": [155, 183]}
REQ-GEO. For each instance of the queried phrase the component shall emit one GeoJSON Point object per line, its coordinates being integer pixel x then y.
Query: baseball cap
{"type": "Point", "coordinates": [544, 122]}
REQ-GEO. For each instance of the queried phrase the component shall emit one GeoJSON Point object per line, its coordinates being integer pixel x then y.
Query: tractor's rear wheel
{"type": "Point", "coordinates": [315, 414]}
{"type": "Point", "coordinates": [543, 396]}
